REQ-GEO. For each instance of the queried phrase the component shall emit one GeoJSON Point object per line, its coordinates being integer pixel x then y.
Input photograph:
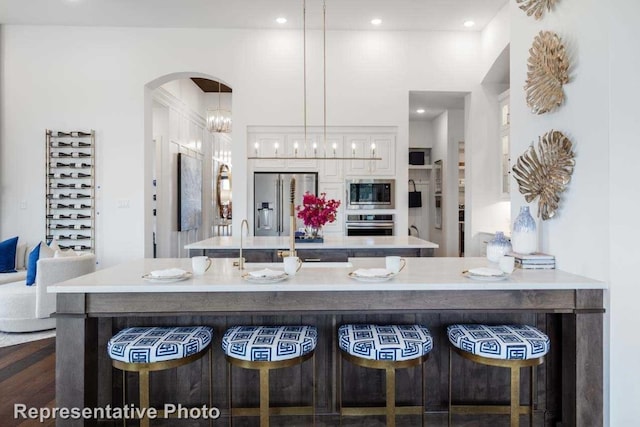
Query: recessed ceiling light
{"type": "Point", "coordinates": [281, 20]}
{"type": "Point", "coordinates": [420, 111]}
{"type": "Point", "coordinates": [469, 24]}
{"type": "Point", "coordinates": [376, 21]}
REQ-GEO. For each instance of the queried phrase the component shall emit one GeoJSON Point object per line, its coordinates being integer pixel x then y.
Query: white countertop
{"type": "Point", "coordinates": [419, 274]}
{"type": "Point", "coordinates": [330, 242]}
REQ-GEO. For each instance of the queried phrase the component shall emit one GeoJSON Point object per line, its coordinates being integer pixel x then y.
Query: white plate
{"type": "Point", "coordinates": [371, 278]}
{"type": "Point", "coordinates": [275, 279]}
{"type": "Point", "coordinates": [149, 278]}
{"type": "Point", "coordinates": [485, 278]}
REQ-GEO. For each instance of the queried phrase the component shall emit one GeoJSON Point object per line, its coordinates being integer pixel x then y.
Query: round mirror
{"type": "Point", "coordinates": [223, 192]}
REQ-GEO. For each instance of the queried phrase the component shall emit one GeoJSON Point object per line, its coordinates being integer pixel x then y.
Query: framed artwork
{"type": "Point", "coordinates": [189, 193]}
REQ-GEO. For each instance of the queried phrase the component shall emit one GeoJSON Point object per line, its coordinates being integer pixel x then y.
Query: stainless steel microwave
{"type": "Point", "coordinates": [370, 194]}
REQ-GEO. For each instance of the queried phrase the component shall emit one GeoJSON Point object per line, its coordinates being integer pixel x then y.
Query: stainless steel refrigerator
{"type": "Point", "coordinates": [272, 200]}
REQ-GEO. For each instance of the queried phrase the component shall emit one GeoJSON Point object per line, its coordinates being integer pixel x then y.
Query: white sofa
{"type": "Point", "coordinates": [28, 308]}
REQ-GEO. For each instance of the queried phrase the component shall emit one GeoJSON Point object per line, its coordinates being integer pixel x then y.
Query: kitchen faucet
{"type": "Point", "coordinates": [241, 259]}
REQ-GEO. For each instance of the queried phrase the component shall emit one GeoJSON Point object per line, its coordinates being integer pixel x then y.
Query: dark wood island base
{"type": "Point", "coordinates": [569, 383]}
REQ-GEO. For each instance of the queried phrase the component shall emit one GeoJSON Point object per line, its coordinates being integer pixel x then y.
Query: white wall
{"type": "Point", "coordinates": [420, 133]}
{"type": "Point", "coordinates": [579, 236]}
{"type": "Point", "coordinates": [439, 152]}
{"type": "Point", "coordinates": [624, 201]}
{"type": "Point", "coordinates": [368, 82]}
{"type": "Point", "coordinates": [485, 211]}
{"type": "Point", "coordinates": [455, 134]}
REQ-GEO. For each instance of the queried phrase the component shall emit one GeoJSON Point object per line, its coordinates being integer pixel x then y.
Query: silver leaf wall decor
{"type": "Point", "coordinates": [546, 172]}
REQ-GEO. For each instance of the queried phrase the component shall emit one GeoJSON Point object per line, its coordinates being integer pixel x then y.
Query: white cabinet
{"type": "Point", "coordinates": [369, 146]}
{"type": "Point", "coordinates": [267, 147]}
{"type": "Point", "coordinates": [334, 191]}
{"type": "Point", "coordinates": [505, 145]}
{"type": "Point", "coordinates": [301, 150]}
{"type": "Point", "coordinates": [331, 170]}
{"type": "Point", "coordinates": [357, 146]}
{"type": "Point", "coordinates": [385, 147]}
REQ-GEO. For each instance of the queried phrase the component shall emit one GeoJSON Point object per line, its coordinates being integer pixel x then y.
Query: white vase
{"type": "Point", "coordinates": [524, 239]}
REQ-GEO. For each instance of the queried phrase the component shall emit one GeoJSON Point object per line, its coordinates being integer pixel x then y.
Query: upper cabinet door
{"type": "Point", "coordinates": [385, 147]}
{"type": "Point", "coordinates": [356, 147]}
{"type": "Point", "coordinates": [331, 170]}
{"type": "Point", "coordinates": [368, 147]}
{"type": "Point", "coordinates": [301, 150]}
{"type": "Point", "coordinates": [269, 147]}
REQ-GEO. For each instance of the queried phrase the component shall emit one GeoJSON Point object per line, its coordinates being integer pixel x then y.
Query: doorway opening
{"type": "Point", "coordinates": [182, 160]}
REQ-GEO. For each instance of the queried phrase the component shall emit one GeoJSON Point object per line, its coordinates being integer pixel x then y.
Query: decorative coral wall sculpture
{"type": "Point", "coordinates": [536, 7]}
{"type": "Point", "coordinates": [547, 72]}
{"type": "Point", "coordinates": [546, 173]}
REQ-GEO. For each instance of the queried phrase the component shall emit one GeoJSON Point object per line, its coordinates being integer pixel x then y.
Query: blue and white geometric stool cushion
{"type": "Point", "coordinates": [385, 342]}
{"type": "Point", "coordinates": [158, 344]}
{"type": "Point", "coordinates": [506, 342]}
{"type": "Point", "coordinates": [269, 343]}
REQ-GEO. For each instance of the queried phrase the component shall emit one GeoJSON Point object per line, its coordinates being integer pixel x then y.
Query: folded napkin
{"type": "Point", "coordinates": [266, 273]}
{"type": "Point", "coordinates": [168, 273]}
{"type": "Point", "coordinates": [486, 271]}
{"type": "Point", "coordinates": [372, 272]}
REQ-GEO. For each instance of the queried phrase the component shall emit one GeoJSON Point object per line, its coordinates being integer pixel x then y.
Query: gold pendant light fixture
{"type": "Point", "coordinates": [328, 153]}
{"type": "Point", "coordinates": [219, 120]}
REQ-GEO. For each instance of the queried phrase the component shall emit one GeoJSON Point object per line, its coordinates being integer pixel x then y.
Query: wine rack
{"type": "Point", "coordinates": [70, 189]}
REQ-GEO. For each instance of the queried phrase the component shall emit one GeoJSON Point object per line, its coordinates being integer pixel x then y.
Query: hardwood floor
{"type": "Point", "coordinates": [27, 376]}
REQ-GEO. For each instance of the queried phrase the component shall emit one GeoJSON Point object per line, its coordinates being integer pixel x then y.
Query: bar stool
{"type": "Point", "coordinates": [507, 346]}
{"type": "Point", "coordinates": [387, 347]}
{"type": "Point", "coordinates": [265, 348]}
{"type": "Point", "coordinates": [147, 349]}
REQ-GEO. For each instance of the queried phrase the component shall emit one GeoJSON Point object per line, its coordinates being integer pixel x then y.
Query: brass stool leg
{"type": "Point", "coordinates": [515, 397]}
{"type": "Point", "coordinates": [450, 363]}
{"type": "Point", "coordinates": [340, 390]}
{"type": "Point", "coordinates": [229, 378]}
{"type": "Point", "coordinates": [391, 397]}
{"type": "Point", "coordinates": [210, 384]}
{"type": "Point", "coordinates": [144, 396]}
{"type": "Point", "coordinates": [124, 395]}
{"type": "Point", "coordinates": [532, 395]}
{"type": "Point", "coordinates": [424, 397]}
{"type": "Point", "coordinates": [264, 397]}
{"type": "Point", "coordinates": [313, 389]}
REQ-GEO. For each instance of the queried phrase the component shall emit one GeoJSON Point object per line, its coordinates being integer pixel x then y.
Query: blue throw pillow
{"type": "Point", "coordinates": [32, 264]}
{"type": "Point", "coordinates": [8, 255]}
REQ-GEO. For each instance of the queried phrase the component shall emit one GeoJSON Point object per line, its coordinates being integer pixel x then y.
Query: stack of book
{"type": "Point", "coordinates": [535, 260]}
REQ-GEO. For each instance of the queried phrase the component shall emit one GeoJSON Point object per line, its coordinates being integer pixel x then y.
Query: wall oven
{"type": "Point", "coordinates": [369, 225]}
{"type": "Point", "coordinates": [370, 194]}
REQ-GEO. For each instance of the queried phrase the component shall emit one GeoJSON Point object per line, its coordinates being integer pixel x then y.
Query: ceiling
{"type": "Point", "coordinates": [411, 15]}
{"type": "Point", "coordinates": [434, 103]}
{"type": "Point", "coordinates": [209, 86]}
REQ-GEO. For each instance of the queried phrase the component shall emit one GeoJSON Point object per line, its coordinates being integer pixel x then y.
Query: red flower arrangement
{"type": "Point", "coordinates": [316, 211]}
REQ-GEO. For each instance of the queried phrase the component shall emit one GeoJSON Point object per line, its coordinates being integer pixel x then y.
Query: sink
{"type": "Point", "coordinates": [309, 264]}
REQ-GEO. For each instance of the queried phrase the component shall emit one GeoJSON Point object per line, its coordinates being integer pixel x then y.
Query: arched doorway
{"type": "Point", "coordinates": [181, 161]}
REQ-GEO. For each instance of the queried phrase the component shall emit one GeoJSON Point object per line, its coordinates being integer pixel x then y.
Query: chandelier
{"type": "Point", "coordinates": [219, 119]}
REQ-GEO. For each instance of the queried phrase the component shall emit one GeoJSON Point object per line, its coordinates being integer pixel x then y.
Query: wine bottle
{"type": "Point", "coordinates": [81, 134]}
{"type": "Point", "coordinates": [80, 175]}
{"type": "Point", "coordinates": [64, 134]}
{"type": "Point", "coordinates": [77, 154]}
{"type": "Point", "coordinates": [78, 144]}
{"type": "Point", "coordinates": [57, 144]}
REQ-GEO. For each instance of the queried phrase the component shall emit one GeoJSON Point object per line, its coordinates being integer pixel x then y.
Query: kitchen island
{"type": "Point", "coordinates": [333, 249]}
{"type": "Point", "coordinates": [431, 291]}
